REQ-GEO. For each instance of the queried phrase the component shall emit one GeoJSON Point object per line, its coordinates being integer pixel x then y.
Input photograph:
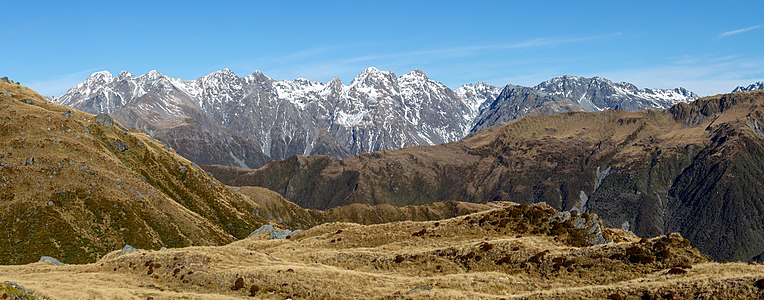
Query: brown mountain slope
{"type": "Point", "coordinates": [75, 188]}
{"type": "Point", "coordinates": [693, 168]}
{"type": "Point", "coordinates": [279, 210]}
{"type": "Point", "coordinates": [510, 252]}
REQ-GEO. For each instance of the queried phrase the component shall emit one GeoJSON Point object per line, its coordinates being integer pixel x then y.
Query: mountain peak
{"type": "Point", "coordinates": [258, 76]}
{"type": "Point", "coordinates": [371, 70]}
{"type": "Point", "coordinates": [225, 72]}
{"type": "Point", "coordinates": [99, 78]}
{"type": "Point", "coordinates": [336, 80]}
{"type": "Point", "coordinates": [153, 74]}
{"type": "Point", "coordinates": [598, 93]}
{"type": "Point", "coordinates": [374, 75]}
{"type": "Point", "coordinates": [101, 75]}
{"type": "Point", "coordinates": [567, 77]}
{"type": "Point", "coordinates": [124, 74]}
{"type": "Point", "coordinates": [417, 73]}
{"type": "Point", "coordinates": [759, 85]}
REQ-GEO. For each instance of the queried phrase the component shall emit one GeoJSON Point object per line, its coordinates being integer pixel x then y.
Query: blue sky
{"type": "Point", "coordinates": [708, 47]}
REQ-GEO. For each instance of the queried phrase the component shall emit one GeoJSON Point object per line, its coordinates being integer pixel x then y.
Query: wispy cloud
{"type": "Point", "coordinates": [470, 50]}
{"type": "Point", "coordinates": [704, 75]}
{"type": "Point", "coordinates": [416, 58]}
{"type": "Point", "coordinates": [557, 41]}
{"type": "Point", "coordinates": [288, 59]}
{"type": "Point", "coordinates": [58, 85]}
{"type": "Point", "coordinates": [738, 31]}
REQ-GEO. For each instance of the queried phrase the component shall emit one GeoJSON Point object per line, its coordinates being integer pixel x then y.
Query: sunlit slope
{"type": "Point", "coordinates": [75, 188]}
{"type": "Point", "coordinates": [515, 251]}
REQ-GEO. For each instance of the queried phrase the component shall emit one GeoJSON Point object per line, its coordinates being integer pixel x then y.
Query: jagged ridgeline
{"type": "Point", "coordinates": [76, 186]}
{"type": "Point", "coordinates": [695, 168]}
{"type": "Point", "coordinates": [225, 119]}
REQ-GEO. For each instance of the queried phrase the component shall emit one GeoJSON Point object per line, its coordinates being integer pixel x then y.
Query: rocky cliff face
{"type": "Point", "coordinates": [691, 168]}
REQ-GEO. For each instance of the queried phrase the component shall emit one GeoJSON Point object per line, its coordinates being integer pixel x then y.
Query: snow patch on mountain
{"type": "Point", "coordinates": [759, 85]}
{"type": "Point", "coordinates": [376, 110]}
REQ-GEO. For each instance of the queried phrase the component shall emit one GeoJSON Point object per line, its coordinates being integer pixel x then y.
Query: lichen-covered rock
{"type": "Point", "coordinates": [51, 260]}
{"type": "Point", "coordinates": [104, 120]}
{"type": "Point", "coordinates": [273, 232]}
{"type": "Point", "coordinates": [589, 223]}
{"type": "Point", "coordinates": [127, 249]}
{"type": "Point", "coordinates": [121, 147]}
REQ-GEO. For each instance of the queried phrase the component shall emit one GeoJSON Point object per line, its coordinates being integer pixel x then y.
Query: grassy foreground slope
{"type": "Point", "coordinates": [513, 251]}
{"type": "Point", "coordinates": [76, 186]}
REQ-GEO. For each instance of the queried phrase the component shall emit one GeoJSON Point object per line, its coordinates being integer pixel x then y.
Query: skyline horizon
{"type": "Point", "coordinates": [347, 81]}
{"type": "Point", "coordinates": [704, 47]}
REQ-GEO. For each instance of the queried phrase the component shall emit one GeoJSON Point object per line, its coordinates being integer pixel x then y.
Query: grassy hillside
{"type": "Point", "coordinates": [513, 251]}
{"type": "Point", "coordinates": [279, 210]}
{"type": "Point", "coordinates": [76, 188]}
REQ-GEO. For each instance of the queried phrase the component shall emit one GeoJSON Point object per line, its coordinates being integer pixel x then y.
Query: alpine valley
{"type": "Point", "coordinates": [77, 187]}
{"type": "Point", "coordinates": [220, 150]}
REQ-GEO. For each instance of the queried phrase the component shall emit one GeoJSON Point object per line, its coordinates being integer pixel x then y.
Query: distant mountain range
{"type": "Point", "coordinates": [573, 93]}
{"type": "Point", "coordinates": [759, 85]}
{"type": "Point", "coordinates": [247, 121]}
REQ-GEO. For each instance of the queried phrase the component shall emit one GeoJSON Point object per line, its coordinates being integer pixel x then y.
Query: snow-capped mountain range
{"type": "Point", "coordinates": [222, 118]}
{"type": "Point", "coordinates": [759, 85]}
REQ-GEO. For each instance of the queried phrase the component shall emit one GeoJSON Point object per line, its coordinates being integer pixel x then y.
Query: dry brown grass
{"type": "Point", "coordinates": [279, 210]}
{"type": "Point", "coordinates": [457, 258]}
{"type": "Point", "coordinates": [67, 191]}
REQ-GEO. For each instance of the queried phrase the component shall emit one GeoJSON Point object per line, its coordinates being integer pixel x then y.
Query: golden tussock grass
{"type": "Point", "coordinates": [469, 257]}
